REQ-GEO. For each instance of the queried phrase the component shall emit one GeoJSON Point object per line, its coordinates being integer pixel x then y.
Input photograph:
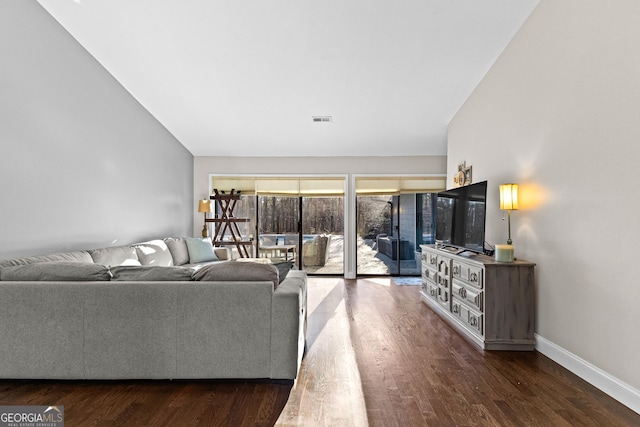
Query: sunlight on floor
{"type": "Point", "coordinates": [328, 391]}
{"type": "Point", "coordinates": [382, 281]}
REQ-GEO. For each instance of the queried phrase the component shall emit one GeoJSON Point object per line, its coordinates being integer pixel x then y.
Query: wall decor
{"type": "Point", "coordinates": [463, 176]}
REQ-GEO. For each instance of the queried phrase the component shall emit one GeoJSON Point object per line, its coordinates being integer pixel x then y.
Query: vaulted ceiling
{"type": "Point", "coordinates": [246, 77]}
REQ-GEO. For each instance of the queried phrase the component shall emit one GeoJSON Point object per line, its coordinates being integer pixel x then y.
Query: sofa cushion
{"type": "Point", "coordinates": [154, 252]}
{"type": "Point", "coordinates": [178, 248]}
{"type": "Point", "coordinates": [151, 273]}
{"type": "Point", "coordinates": [56, 271]}
{"type": "Point", "coordinates": [200, 249]}
{"type": "Point", "coordinates": [238, 271]}
{"type": "Point", "coordinates": [77, 256]}
{"type": "Point", "coordinates": [116, 255]}
{"type": "Point", "coordinates": [283, 269]}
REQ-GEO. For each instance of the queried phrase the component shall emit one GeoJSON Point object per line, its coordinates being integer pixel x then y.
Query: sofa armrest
{"type": "Point", "coordinates": [288, 325]}
{"type": "Point", "coordinates": [222, 253]}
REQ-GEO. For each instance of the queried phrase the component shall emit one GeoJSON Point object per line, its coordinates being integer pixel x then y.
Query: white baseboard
{"type": "Point", "coordinates": [615, 388]}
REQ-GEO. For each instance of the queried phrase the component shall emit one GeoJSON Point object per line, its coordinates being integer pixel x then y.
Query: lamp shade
{"type": "Point", "coordinates": [204, 206]}
{"type": "Point", "coordinates": [509, 197]}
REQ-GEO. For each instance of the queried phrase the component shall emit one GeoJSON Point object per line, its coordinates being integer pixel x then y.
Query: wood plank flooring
{"type": "Point", "coordinates": [376, 356]}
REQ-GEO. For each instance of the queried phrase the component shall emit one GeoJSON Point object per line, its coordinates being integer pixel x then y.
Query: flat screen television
{"type": "Point", "coordinates": [460, 217]}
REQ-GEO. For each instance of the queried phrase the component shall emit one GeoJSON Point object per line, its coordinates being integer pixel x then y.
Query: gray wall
{"type": "Point", "coordinates": [83, 164]}
{"type": "Point", "coordinates": [559, 114]}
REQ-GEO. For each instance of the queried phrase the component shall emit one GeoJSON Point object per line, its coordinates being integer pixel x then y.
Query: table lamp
{"type": "Point", "coordinates": [508, 202]}
{"type": "Point", "coordinates": [204, 206]}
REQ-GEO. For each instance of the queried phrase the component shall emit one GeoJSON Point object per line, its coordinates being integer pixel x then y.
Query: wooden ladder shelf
{"type": "Point", "coordinates": [227, 223]}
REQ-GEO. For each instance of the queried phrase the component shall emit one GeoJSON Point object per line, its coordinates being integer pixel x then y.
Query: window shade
{"type": "Point", "coordinates": [397, 185]}
{"type": "Point", "coordinates": [281, 186]}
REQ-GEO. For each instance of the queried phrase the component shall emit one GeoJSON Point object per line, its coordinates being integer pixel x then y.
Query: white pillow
{"type": "Point", "coordinates": [154, 252]}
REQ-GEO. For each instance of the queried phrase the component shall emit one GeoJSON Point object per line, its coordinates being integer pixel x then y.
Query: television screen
{"type": "Point", "coordinates": [460, 217]}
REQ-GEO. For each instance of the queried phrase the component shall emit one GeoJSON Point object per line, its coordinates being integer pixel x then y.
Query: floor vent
{"type": "Point", "coordinates": [322, 119]}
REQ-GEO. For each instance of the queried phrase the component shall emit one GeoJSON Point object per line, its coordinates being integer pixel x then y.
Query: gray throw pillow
{"type": "Point", "coordinates": [283, 269]}
{"type": "Point", "coordinates": [237, 272]}
{"type": "Point", "coordinates": [178, 248]}
{"type": "Point", "coordinates": [200, 250]}
{"type": "Point", "coordinates": [150, 273]}
{"type": "Point", "coordinates": [56, 271]}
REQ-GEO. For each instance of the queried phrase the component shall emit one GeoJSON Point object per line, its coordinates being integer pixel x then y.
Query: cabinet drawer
{"type": "Point", "coordinates": [428, 274]}
{"type": "Point", "coordinates": [468, 273]}
{"type": "Point", "coordinates": [431, 290]}
{"type": "Point", "coordinates": [471, 296]}
{"type": "Point", "coordinates": [430, 259]}
{"type": "Point", "coordinates": [471, 318]}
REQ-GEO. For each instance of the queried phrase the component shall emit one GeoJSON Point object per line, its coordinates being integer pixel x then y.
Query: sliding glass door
{"type": "Point", "coordinates": [373, 231]}
{"type": "Point", "coordinates": [306, 230]}
{"type": "Point", "coordinates": [303, 218]}
{"type": "Point", "coordinates": [279, 228]}
{"type": "Point", "coordinates": [323, 235]}
{"type": "Point", "coordinates": [390, 230]}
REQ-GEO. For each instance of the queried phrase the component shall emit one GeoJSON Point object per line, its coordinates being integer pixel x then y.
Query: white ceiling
{"type": "Point", "coordinates": [245, 77]}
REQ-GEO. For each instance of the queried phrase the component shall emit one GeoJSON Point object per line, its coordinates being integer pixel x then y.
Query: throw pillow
{"type": "Point", "coordinates": [237, 271]}
{"type": "Point", "coordinates": [151, 273]}
{"type": "Point", "coordinates": [62, 271]}
{"type": "Point", "coordinates": [154, 252]}
{"type": "Point", "coordinates": [283, 269]}
{"type": "Point", "coordinates": [200, 250]}
{"type": "Point", "coordinates": [179, 251]}
{"type": "Point", "coordinates": [116, 255]}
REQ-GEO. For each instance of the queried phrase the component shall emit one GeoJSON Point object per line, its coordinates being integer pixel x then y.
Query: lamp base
{"type": "Point", "coordinates": [504, 253]}
{"type": "Point", "coordinates": [205, 231]}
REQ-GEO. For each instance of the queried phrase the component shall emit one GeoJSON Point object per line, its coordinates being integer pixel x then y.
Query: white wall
{"type": "Point", "coordinates": [83, 164]}
{"type": "Point", "coordinates": [345, 166]}
{"type": "Point", "coordinates": [559, 113]}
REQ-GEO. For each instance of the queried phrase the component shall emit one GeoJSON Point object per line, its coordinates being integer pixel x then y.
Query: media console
{"type": "Point", "coordinates": [492, 303]}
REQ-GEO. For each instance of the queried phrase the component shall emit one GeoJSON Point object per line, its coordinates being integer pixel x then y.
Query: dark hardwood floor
{"type": "Point", "coordinates": [375, 356]}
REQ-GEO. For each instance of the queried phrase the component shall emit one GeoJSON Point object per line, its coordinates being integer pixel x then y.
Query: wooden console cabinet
{"type": "Point", "coordinates": [490, 302]}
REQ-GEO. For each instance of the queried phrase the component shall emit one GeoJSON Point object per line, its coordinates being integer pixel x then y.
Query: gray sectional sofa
{"type": "Point", "coordinates": [155, 310]}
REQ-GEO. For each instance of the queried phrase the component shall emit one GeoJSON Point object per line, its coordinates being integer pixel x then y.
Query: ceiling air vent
{"type": "Point", "coordinates": [321, 119]}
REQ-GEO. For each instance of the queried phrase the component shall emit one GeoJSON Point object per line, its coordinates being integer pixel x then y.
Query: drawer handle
{"type": "Point", "coordinates": [473, 276]}
{"type": "Point", "coordinates": [463, 292]}
{"type": "Point", "coordinates": [456, 308]}
{"type": "Point", "coordinates": [473, 321]}
{"type": "Point", "coordinates": [456, 270]}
